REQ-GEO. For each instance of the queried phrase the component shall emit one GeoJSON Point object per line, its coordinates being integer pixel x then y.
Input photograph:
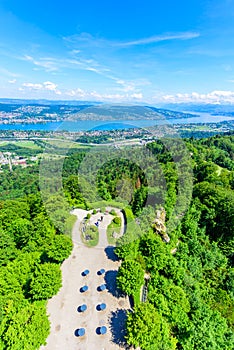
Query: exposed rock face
{"type": "Point", "coordinates": [138, 183]}
{"type": "Point", "coordinates": [159, 225]}
{"type": "Point", "coordinates": [159, 222]}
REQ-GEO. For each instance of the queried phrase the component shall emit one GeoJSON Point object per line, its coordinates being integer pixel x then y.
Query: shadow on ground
{"type": "Point", "coordinates": [111, 284]}
{"type": "Point", "coordinates": [117, 321]}
{"type": "Point", "coordinates": [110, 253]}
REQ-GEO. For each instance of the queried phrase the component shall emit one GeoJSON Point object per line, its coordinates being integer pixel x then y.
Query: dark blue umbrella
{"type": "Point", "coordinates": [102, 287]}
{"type": "Point", "coordinates": [85, 272]}
{"type": "Point", "coordinates": [80, 332]}
{"type": "Point", "coordinates": [83, 307]}
{"type": "Point", "coordinates": [101, 272]}
{"type": "Point", "coordinates": [101, 307]}
{"type": "Point", "coordinates": [84, 289]}
{"type": "Point", "coordinates": [103, 330]}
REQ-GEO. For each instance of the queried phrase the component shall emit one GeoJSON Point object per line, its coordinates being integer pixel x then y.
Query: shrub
{"type": "Point", "coordinates": [112, 212]}
{"type": "Point", "coordinates": [117, 220]}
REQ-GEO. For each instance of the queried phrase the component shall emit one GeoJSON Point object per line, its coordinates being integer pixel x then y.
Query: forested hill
{"type": "Point", "coordinates": [42, 111]}
{"type": "Point", "coordinates": [190, 300]}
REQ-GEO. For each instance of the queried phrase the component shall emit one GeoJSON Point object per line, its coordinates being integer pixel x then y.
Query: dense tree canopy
{"type": "Point", "coordinates": [191, 278]}
{"type": "Point", "coordinates": [130, 276]}
{"type": "Point", "coordinates": [45, 281]}
{"type": "Point", "coordinates": [146, 328]}
{"type": "Point", "coordinates": [31, 248]}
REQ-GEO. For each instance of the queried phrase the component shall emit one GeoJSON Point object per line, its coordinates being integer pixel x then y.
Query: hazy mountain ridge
{"type": "Point", "coordinates": [41, 111]}
{"type": "Point", "coordinates": [17, 111]}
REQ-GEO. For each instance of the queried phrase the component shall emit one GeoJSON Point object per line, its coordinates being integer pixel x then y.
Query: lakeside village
{"type": "Point", "coordinates": [107, 136]}
{"type": "Point", "coordinates": [10, 159]}
{"type": "Point", "coordinates": [72, 135]}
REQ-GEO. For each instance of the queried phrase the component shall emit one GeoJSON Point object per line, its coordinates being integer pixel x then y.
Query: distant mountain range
{"type": "Point", "coordinates": [45, 102]}
{"type": "Point", "coordinates": [39, 111]}
{"type": "Point", "coordinates": [126, 112]}
{"type": "Point", "coordinates": [30, 111]}
{"type": "Point", "coordinates": [215, 109]}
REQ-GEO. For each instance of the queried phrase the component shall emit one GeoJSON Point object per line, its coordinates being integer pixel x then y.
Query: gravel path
{"type": "Point", "coordinates": [62, 308]}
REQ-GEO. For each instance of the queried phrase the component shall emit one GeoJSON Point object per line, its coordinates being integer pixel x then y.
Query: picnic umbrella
{"type": "Point", "coordinates": [103, 330]}
{"type": "Point", "coordinates": [84, 289]}
{"type": "Point", "coordinates": [81, 332]}
{"type": "Point", "coordinates": [102, 306]}
{"type": "Point", "coordinates": [101, 272]}
{"type": "Point", "coordinates": [102, 287]}
{"type": "Point", "coordinates": [83, 307]}
{"type": "Point", "coordinates": [85, 272]}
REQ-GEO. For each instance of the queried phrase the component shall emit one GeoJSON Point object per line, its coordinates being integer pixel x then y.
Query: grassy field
{"type": "Point", "coordinates": [65, 144]}
{"type": "Point", "coordinates": [91, 231]}
{"type": "Point", "coordinates": [56, 143]}
{"type": "Point", "coordinates": [113, 227]}
{"type": "Point", "coordinates": [26, 144]}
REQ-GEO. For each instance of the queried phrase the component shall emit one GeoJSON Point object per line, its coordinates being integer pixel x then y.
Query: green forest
{"type": "Point", "coordinates": [190, 303]}
{"type": "Point", "coordinates": [190, 284]}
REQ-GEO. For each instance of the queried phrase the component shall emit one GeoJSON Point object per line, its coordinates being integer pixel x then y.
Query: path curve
{"type": "Point", "coordinates": [107, 218]}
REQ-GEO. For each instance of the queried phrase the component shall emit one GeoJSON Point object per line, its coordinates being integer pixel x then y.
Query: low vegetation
{"type": "Point", "coordinates": [90, 236]}
{"type": "Point", "coordinates": [113, 230]}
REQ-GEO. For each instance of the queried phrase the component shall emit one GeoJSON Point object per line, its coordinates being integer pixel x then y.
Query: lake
{"type": "Point", "coordinates": [86, 125]}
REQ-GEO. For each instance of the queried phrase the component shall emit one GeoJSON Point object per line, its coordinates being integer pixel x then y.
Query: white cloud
{"type": "Point", "coordinates": [159, 38]}
{"type": "Point", "coordinates": [94, 95]}
{"type": "Point", "coordinates": [137, 96]}
{"type": "Point", "coordinates": [85, 64]}
{"type": "Point", "coordinates": [215, 97]}
{"type": "Point", "coordinates": [86, 39]}
{"type": "Point", "coordinates": [50, 86]}
{"type": "Point", "coordinates": [13, 81]}
{"type": "Point", "coordinates": [79, 93]}
{"type": "Point", "coordinates": [46, 86]}
{"type": "Point", "coordinates": [126, 85]}
{"type": "Point", "coordinates": [52, 64]}
{"type": "Point", "coordinates": [33, 86]}
{"type": "Point", "coordinates": [48, 63]}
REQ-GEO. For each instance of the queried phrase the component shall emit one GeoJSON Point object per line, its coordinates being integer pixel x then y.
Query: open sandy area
{"type": "Point", "coordinates": [62, 308]}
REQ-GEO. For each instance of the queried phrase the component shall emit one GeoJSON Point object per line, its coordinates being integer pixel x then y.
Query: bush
{"type": "Point", "coordinates": [130, 277]}
{"type": "Point", "coordinates": [88, 216]}
{"type": "Point", "coordinates": [94, 211]}
{"type": "Point", "coordinates": [46, 281]}
{"type": "Point", "coordinates": [117, 220]}
{"type": "Point", "coordinates": [59, 249]}
{"type": "Point", "coordinates": [112, 212]}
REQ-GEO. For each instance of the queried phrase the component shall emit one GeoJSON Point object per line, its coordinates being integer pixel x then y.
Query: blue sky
{"type": "Point", "coordinates": [127, 51]}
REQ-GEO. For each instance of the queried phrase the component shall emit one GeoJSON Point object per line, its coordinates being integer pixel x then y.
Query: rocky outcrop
{"type": "Point", "coordinates": [159, 225]}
